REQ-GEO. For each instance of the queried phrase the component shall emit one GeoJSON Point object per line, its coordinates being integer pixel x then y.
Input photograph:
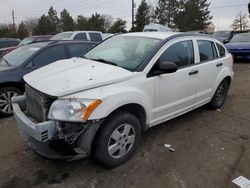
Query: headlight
{"type": "Point", "coordinates": [76, 110]}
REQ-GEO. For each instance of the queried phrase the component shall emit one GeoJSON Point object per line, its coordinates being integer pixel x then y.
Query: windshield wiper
{"type": "Point", "coordinates": [6, 62]}
{"type": "Point", "coordinates": [104, 61]}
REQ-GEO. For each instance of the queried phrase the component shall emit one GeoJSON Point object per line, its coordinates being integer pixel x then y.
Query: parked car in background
{"type": "Point", "coordinates": [7, 45]}
{"type": "Point", "coordinates": [152, 27]}
{"type": "Point", "coordinates": [239, 46]}
{"type": "Point", "coordinates": [26, 41]}
{"type": "Point", "coordinates": [95, 36]}
{"type": "Point", "coordinates": [32, 39]}
{"type": "Point", "coordinates": [25, 59]}
{"type": "Point", "coordinates": [101, 103]}
{"type": "Point", "coordinates": [223, 36]}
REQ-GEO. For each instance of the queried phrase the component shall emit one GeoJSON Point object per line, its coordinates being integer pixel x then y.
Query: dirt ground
{"type": "Point", "coordinates": [211, 149]}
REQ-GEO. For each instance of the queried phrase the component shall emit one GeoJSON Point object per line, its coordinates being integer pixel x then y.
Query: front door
{"type": "Point", "coordinates": [175, 92]}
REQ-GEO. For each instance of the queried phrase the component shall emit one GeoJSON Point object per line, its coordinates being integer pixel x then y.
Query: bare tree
{"type": "Point", "coordinates": [240, 22]}
{"type": "Point", "coordinates": [108, 20]}
{"type": "Point", "coordinates": [30, 24]}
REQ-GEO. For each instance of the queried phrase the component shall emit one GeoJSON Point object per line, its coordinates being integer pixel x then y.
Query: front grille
{"type": "Point", "coordinates": [37, 104]}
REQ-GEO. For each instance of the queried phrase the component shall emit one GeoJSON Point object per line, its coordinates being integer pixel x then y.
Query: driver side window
{"type": "Point", "coordinates": [180, 53]}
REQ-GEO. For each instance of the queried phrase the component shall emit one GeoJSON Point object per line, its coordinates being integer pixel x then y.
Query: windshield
{"type": "Point", "coordinates": [19, 56]}
{"type": "Point", "coordinates": [25, 41]}
{"type": "Point", "coordinates": [245, 37]}
{"type": "Point", "coordinates": [61, 36]}
{"type": "Point", "coordinates": [223, 34]}
{"type": "Point", "coordinates": [124, 51]}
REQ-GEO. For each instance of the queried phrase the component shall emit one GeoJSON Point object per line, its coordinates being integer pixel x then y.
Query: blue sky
{"type": "Point", "coordinates": [223, 11]}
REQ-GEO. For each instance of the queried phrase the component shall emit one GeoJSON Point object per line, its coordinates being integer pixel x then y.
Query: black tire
{"type": "Point", "coordinates": [104, 138]}
{"type": "Point", "coordinates": [220, 95]}
{"type": "Point", "coordinates": [4, 92]}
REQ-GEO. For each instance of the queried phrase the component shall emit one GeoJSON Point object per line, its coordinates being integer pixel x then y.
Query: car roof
{"type": "Point", "coordinates": [9, 39]}
{"type": "Point", "coordinates": [157, 35]}
{"type": "Point", "coordinates": [52, 42]}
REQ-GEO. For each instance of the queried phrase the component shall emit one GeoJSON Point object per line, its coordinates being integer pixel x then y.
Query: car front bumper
{"type": "Point", "coordinates": [43, 137]}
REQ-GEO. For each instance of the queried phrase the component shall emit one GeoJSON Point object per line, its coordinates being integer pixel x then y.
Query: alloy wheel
{"type": "Point", "coordinates": [121, 141]}
{"type": "Point", "coordinates": [5, 101]}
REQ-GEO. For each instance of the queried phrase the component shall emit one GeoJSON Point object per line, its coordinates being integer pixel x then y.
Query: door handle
{"type": "Point", "coordinates": [219, 64]}
{"type": "Point", "coordinates": [193, 72]}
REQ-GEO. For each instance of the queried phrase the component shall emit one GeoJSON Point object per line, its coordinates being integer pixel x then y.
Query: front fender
{"type": "Point", "coordinates": [118, 97]}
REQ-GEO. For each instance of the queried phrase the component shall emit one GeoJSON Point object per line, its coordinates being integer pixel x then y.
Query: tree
{"type": "Point", "coordinates": [81, 23]}
{"type": "Point", "coordinates": [108, 20]}
{"type": "Point", "coordinates": [43, 26]}
{"type": "Point", "coordinates": [193, 15]}
{"type": "Point", "coordinates": [165, 12]}
{"type": "Point", "coordinates": [7, 30]}
{"type": "Point", "coordinates": [30, 24]}
{"type": "Point", "coordinates": [142, 17]}
{"type": "Point", "coordinates": [67, 22]}
{"type": "Point", "coordinates": [22, 31]}
{"type": "Point", "coordinates": [240, 22]}
{"type": "Point", "coordinates": [54, 26]}
{"type": "Point", "coordinates": [96, 22]}
{"type": "Point", "coordinates": [119, 26]}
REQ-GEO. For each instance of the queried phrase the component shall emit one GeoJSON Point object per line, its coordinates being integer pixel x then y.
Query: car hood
{"type": "Point", "coordinates": [73, 75]}
{"type": "Point", "coordinates": [239, 46]}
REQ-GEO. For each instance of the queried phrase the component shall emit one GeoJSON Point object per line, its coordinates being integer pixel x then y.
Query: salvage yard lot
{"type": "Point", "coordinates": [211, 149]}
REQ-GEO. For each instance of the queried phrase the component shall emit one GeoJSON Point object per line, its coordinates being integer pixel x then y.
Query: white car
{"type": "Point", "coordinates": [103, 102]}
{"type": "Point", "coordinates": [95, 36]}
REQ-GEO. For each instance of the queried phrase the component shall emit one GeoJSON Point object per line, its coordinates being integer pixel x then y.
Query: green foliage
{"type": "Point", "coordinates": [142, 17]}
{"type": "Point", "coordinates": [67, 22]}
{"type": "Point", "coordinates": [193, 15]}
{"type": "Point", "coordinates": [119, 26]}
{"type": "Point", "coordinates": [22, 31]}
{"type": "Point", "coordinates": [43, 26]}
{"type": "Point", "coordinates": [81, 23]}
{"type": "Point", "coordinates": [8, 31]}
{"type": "Point", "coordinates": [96, 23]}
{"type": "Point", "coordinates": [54, 20]}
{"type": "Point", "coordinates": [165, 12]}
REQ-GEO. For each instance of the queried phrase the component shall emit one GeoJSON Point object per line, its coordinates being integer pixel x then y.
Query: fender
{"type": "Point", "coordinates": [129, 95]}
{"type": "Point", "coordinates": [225, 72]}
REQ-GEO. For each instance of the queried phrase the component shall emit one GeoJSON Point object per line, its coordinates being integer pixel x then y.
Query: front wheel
{"type": "Point", "coordinates": [117, 139]}
{"type": "Point", "coordinates": [6, 94]}
{"type": "Point", "coordinates": [220, 95]}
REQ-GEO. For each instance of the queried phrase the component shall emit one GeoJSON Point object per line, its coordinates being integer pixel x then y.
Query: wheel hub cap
{"type": "Point", "coordinates": [121, 141]}
{"type": "Point", "coordinates": [5, 101]}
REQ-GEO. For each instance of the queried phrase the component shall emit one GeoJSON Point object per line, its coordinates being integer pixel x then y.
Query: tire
{"type": "Point", "coordinates": [220, 95]}
{"type": "Point", "coordinates": [117, 139]}
{"type": "Point", "coordinates": [6, 94]}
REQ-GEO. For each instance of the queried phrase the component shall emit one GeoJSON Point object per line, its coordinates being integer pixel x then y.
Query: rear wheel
{"type": "Point", "coordinates": [220, 95]}
{"type": "Point", "coordinates": [6, 94]}
{"type": "Point", "coordinates": [117, 139]}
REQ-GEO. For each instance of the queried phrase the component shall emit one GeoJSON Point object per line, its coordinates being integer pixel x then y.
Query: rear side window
{"type": "Point", "coordinates": [49, 55]}
{"type": "Point", "coordinates": [13, 43]}
{"type": "Point", "coordinates": [76, 50]}
{"type": "Point", "coordinates": [180, 53]}
{"type": "Point", "coordinates": [81, 36]}
{"type": "Point", "coordinates": [221, 49]}
{"type": "Point", "coordinates": [207, 50]}
{"type": "Point", "coordinates": [95, 37]}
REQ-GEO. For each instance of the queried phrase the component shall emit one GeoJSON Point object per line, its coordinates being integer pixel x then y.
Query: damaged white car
{"type": "Point", "coordinates": [102, 102]}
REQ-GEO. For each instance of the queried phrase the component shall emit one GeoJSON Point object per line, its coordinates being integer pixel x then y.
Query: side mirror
{"type": "Point", "coordinates": [163, 68]}
{"type": "Point", "coordinates": [167, 67]}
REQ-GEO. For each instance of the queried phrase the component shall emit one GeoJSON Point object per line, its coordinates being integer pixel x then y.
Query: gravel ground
{"type": "Point", "coordinates": [211, 149]}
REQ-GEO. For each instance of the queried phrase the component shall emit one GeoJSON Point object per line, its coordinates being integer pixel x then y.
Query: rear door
{"type": "Point", "coordinates": [209, 65]}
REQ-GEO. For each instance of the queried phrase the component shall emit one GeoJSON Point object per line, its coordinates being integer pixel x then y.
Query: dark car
{"type": "Point", "coordinates": [25, 59]}
{"type": "Point", "coordinates": [239, 46]}
{"type": "Point", "coordinates": [223, 36]}
{"type": "Point", "coordinates": [6, 44]}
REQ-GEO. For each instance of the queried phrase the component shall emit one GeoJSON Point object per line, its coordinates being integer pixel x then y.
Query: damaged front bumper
{"type": "Point", "coordinates": [47, 138]}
